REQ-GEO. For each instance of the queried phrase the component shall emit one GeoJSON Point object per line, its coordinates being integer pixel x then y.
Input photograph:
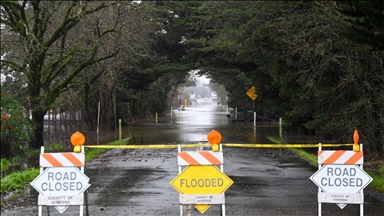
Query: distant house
{"type": "Point", "coordinates": [214, 95]}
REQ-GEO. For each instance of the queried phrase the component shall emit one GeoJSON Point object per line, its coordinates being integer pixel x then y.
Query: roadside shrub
{"type": "Point", "coordinates": [18, 180]}
{"type": "Point", "coordinates": [15, 128]}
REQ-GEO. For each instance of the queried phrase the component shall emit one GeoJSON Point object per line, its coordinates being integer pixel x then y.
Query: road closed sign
{"type": "Point", "coordinates": [61, 181]}
{"type": "Point", "coordinates": [341, 178]}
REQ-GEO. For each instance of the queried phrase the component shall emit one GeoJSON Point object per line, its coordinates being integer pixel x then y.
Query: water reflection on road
{"type": "Point", "coordinates": [193, 125]}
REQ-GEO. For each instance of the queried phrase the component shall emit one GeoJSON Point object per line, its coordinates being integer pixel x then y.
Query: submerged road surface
{"type": "Point", "coordinates": [137, 182]}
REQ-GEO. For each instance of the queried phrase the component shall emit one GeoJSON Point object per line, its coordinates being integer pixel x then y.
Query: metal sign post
{"type": "Point", "coordinates": [62, 183]}
{"type": "Point", "coordinates": [201, 183]}
{"type": "Point", "coordinates": [341, 178]}
{"type": "Point", "coordinates": [252, 94]}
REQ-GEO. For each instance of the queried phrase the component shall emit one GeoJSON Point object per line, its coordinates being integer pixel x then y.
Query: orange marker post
{"type": "Point", "coordinates": [356, 146]}
{"type": "Point", "coordinates": [77, 139]}
{"type": "Point", "coordinates": [214, 138]}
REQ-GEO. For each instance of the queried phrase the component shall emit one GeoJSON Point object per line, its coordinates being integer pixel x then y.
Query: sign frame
{"type": "Point", "coordinates": [346, 159]}
{"type": "Point", "coordinates": [191, 198]}
{"type": "Point", "coordinates": [52, 161]}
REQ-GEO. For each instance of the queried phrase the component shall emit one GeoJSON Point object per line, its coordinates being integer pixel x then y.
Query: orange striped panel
{"type": "Point", "coordinates": [188, 158]}
{"type": "Point", "coordinates": [52, 160]}
{"type": "Point", "coordinates": [67, 159]}
{"type": "Point", "coordinates": [73, 159]}
{"type": "Point", "coordinates": [340, 157]}
{"type": "Point", "coordinates": [355, 158]}
{"type": "Point", "coordinates": [211, 158]}
{"type": "Point", "coordinates": [336, 155]}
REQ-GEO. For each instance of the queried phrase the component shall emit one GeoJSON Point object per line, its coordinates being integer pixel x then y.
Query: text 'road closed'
{"type": "Point", "coordinates": [341, 177]}
{"type": "Point", "coordinates": [61, 181]}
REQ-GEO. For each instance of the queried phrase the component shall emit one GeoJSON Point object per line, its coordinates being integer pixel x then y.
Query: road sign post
{"type": "Point", "coordinates": [202, 186]}
{"type": "Point", "coordinates": [201, 183]}
{"type": "Point", "coordinates": [341, 178]}
{"type": "Point", "coordinates": [252, 94]}
{"type": "Point", "coordinates": [62, 183]}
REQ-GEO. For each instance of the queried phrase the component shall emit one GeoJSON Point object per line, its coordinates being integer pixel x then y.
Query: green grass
{"type": "Point", "coordinates": [378, 179]}
{"type": "Point", "coordinates": [95, 152]}
{"type": "Point", "coordinates": [18, 180]}
{"type": "Point", "coordinates": [303, 154]}
{"type": "Point", "coordinates": [4, 165]}
{"type": "Point", "coordinates": [377, 175]}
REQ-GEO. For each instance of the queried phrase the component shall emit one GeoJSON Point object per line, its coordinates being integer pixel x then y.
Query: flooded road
{"type": "Point", "coordinates": [137, 181]}
{"type": "Point", "coordinates": [191, 125]}
{"type": "Point", "coordinates": [194, 123]}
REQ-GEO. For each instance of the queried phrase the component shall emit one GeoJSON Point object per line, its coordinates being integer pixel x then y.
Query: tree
{"type": "Point", "coordinates": [233, 44]}
{"type": "Point", "coordinates": [364, 22]}
{"type": "Point", "coordinates": [146, 68]}
{"type": "Point", "coordinates": [38, 41]}
{"type": "Point", "coordinates": [310, 63]}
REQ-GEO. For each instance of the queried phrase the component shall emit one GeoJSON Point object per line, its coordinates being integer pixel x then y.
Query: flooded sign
{"type": "Point", "coordinates": [202, 186]}
{"type": "Point", "coordinates": [201, 180]}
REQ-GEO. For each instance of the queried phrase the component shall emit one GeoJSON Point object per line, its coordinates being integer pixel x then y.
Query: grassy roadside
{"type": "Point", "coordinates": [376, 172]}
{"type": "Point", "coordinates": [16, 182]}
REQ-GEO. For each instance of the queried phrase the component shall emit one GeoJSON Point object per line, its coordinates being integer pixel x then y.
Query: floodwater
{"type": "Point", "coordinates": [193, 124]}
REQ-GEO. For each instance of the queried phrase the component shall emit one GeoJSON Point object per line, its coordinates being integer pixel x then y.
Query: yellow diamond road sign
{"type": "Point", "coordinates": [252, 93]}
{"type": "Point", "coordinates": [202, 208]}
{"type": "Point", "coordinates": [201, 180]}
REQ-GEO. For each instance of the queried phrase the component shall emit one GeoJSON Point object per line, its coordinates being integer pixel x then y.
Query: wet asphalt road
{"type": "Point", "coordinates": [137, 182]}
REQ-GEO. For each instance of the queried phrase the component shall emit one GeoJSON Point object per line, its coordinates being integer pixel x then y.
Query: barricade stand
{"type": "Point", "coordinates": [201, 183]}
{"type": "Point", "coordinates": [62, 183]}
{"type": "Point", "coordinates": [341, 178]}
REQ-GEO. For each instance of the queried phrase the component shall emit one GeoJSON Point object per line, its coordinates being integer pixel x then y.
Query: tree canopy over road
{"type": "Point", "coordinates": [316, 64]}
